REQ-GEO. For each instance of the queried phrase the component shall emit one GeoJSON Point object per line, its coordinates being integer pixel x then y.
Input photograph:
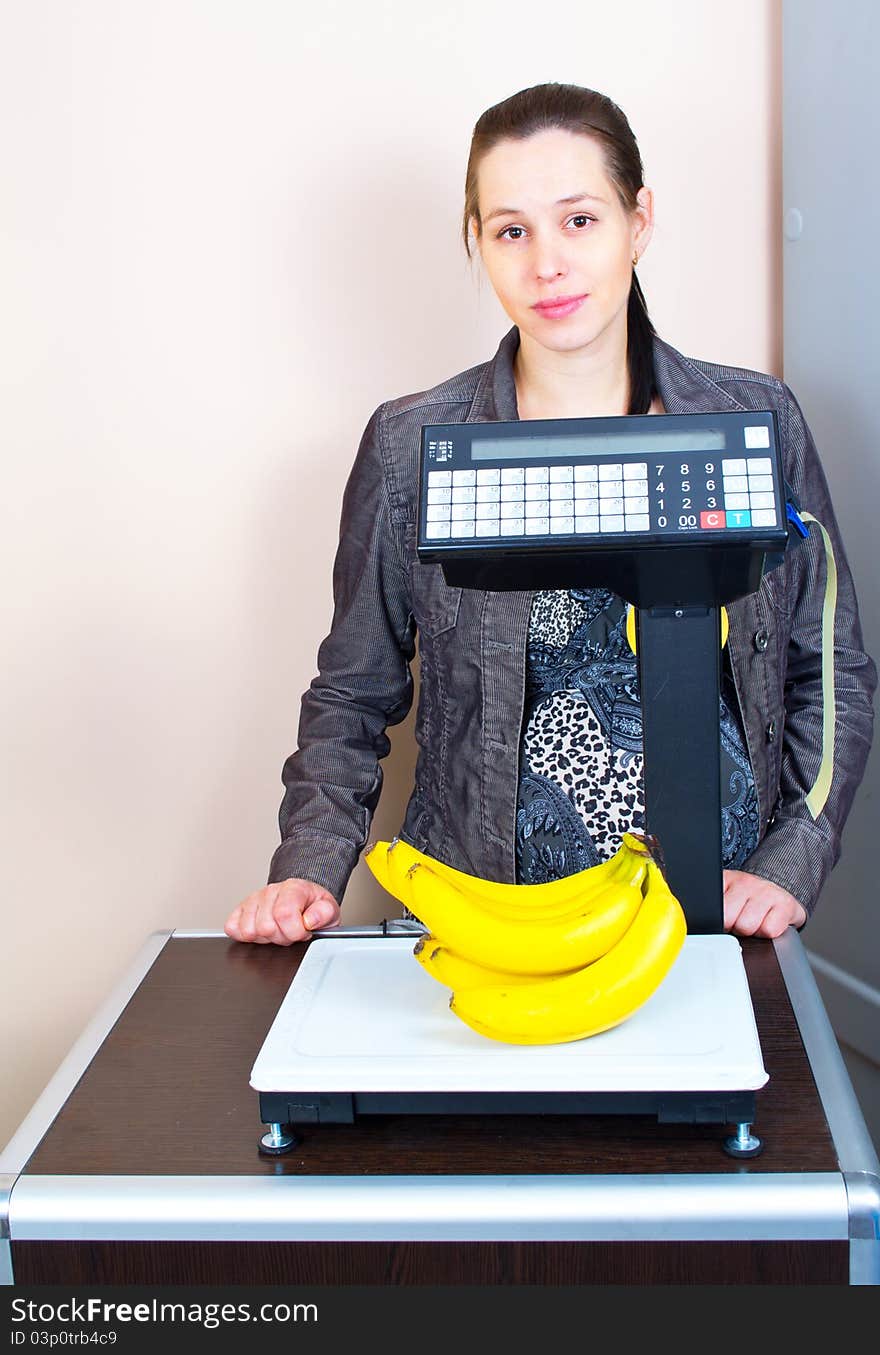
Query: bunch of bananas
{"type": "Point", "coordinates": [540, 964]}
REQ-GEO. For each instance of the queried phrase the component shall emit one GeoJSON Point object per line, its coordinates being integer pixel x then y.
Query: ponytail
{"type": "Point", "coordinates": [640, 334]}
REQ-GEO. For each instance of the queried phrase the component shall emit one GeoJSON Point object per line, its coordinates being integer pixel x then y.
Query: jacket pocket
{"type": "Point", "coordinates": [776, 587]}
{"type": "Point", "coordinates": [415, 822]}
{"type": "Point", "coordinates": [435, 604]}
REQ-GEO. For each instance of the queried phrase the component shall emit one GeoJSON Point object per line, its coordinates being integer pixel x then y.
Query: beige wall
{"type": "Point", "coordinates": [227, 232]}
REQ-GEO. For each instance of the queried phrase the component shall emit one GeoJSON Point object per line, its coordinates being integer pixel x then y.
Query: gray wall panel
{"type": "Point", "coordinates": [831, 206]}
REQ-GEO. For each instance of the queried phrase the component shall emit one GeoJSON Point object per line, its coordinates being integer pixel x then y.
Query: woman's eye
{"type": "Point", "coordinates": [580, 222]}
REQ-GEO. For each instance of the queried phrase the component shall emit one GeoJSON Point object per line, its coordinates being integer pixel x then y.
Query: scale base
{"type": "Point", "coordinates": [363, 1031]}
{"type": "Point", "coordinates": [312, 1108]}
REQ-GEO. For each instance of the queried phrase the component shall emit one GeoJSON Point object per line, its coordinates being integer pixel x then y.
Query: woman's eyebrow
{"type": "Point", "coordinates": [560, 202]}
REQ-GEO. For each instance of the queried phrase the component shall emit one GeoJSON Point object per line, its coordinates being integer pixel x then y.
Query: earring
{"type": "Point", "coordinates": [635, 260]}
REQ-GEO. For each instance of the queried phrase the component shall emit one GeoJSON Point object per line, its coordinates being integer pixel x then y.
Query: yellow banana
{"type": "Point", "coordinates": [455, 972]}
{"type": "Point", "coordinates": [511, 902]}
{"type": "Point", "coordinates": [525, 903]}
{"type": "Point", "coordinates": [597, 997]}
{"type": "Point", "coordinates": [535, 946]}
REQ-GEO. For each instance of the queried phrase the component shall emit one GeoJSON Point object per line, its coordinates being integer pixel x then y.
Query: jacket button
{"type": "Point", "coordinates": [762, 639]}
{"type": "Point", "coordinates": [771, 732]}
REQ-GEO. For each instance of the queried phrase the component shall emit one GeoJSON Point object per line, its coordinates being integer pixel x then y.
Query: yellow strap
{"type": "Point", "coordinates": [821, 786]}
{"type": "Point", "coordinates": [631, 627]}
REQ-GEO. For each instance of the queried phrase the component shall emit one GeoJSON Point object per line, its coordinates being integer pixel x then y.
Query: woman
{"type": "Point", "coordinates": [528, 725]}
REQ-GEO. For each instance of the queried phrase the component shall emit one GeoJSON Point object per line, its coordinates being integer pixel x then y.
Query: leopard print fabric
{"type": "Point", "coordinates": [581, 777]}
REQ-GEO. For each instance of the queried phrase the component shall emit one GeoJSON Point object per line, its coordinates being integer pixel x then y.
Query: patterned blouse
{"type": "Point", "coordinates": [581, 742]}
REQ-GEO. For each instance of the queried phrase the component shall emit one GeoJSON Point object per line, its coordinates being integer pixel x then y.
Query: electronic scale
{"type": "Point", "coordinates": [678, 514]}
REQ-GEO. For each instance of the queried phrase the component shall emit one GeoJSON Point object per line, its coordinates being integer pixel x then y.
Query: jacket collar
{"type": "Point", "coordinates": [684, 389]}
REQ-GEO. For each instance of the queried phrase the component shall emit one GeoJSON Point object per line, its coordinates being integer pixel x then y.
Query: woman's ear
{"type": "Point", "coordinates": [643, 220]}
{"type": "Point", "coordinates": [474, 233]}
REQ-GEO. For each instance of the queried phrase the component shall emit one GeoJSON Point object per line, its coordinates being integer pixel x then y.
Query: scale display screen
{"type": "Point", "coordinates": [677, 441]}
{"type": "Point", "coordinates": [616, 482]}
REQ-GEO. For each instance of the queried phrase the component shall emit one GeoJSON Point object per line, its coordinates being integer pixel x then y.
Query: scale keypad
{"type": "Point", "coordinates": [749, 500]}
{"type": "Point", "coordinates": [584, 499]}
{"type": "Point", "coordinates": [547, 500]}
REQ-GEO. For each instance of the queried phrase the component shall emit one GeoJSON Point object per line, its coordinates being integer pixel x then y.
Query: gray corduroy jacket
{"type": "Point", "coordinates": [472, 654]}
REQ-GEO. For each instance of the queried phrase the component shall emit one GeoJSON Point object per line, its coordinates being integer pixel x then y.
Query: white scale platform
{"type": "Point", "coordinates": [361, 1015]}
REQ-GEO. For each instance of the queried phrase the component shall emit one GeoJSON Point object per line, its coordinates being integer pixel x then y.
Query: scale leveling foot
{"type": "Point", "coordinates": [276, 1142]}
{"type": "Point", "coordinates": [743, 1143]}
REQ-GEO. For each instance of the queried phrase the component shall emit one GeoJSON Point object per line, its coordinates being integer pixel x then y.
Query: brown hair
{"type": "Point", "coordinates": [574, 109]}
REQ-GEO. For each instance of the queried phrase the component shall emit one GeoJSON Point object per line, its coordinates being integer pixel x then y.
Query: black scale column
{"type": "Point", "coordinates": [679, 654]}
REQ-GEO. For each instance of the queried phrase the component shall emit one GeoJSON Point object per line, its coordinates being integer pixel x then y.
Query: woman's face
{"type": "Point", "coordinates": [553, 227]}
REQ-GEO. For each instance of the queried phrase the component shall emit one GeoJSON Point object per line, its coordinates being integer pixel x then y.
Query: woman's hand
{"type": "Point", "coordinates": [756, 907]}
{"type": "Point", "coordinates": [282, 913]}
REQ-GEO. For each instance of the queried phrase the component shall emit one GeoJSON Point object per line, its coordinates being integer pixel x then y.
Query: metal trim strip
{"type": "Point", "coordinates": [863, 1202]}
{"type": "Point", "coordinates": [730, 1207]}
{"type": "Point", "coordinates": [852, 1142]}
{"type": "Point", "coordinates": [44, 1110]}
{"type": "Point", "coordinates": [863, 1192]}
{"type": "Point", "coordinates": [33, 1127]}
{"type": "Point", "coordinates": [853, 1006]}
{"type": "Point", "coordinates": [188, 934]}
{"type": "Point", "coordinates": [7, 1181]}
{"type": "Point", "coordinates": [394, 926]}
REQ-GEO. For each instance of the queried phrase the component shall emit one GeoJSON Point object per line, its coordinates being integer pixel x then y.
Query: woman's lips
{"type": "Point", "coordinates": [559, 306]}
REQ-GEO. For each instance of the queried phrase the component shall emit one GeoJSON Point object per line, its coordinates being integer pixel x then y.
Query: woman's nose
{"type": "Point", "coordinates": [549, 261]}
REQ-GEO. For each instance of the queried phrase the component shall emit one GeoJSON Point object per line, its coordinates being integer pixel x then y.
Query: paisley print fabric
{"type": "Point", "coordinates": [581, 783]}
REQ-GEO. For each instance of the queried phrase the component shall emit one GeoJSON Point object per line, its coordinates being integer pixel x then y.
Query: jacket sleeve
{"type": "Point", "coordinates": [364, 683]}
{"type": "Point", "coordinates": [826, 736]}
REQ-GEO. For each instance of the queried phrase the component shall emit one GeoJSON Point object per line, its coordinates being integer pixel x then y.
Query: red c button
{"type": "Point", "coordinates": [714, 519]}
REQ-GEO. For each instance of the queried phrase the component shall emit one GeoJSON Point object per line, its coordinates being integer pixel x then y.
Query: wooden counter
{"type": "Point", "coordinates": [164, 1095]}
